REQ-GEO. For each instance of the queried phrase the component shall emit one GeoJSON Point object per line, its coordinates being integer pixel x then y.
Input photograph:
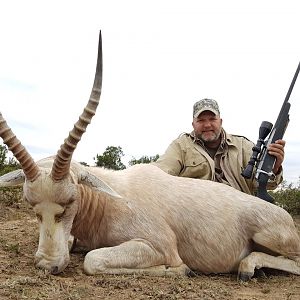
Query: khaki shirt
{"type": "Point", "coordinates": [186, 157]}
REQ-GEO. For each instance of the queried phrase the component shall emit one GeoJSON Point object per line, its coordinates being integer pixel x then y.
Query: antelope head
{"type": "Point", "coordinates": [51, 190]}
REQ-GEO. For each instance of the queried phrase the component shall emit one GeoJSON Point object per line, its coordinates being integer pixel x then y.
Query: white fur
{"type": "Point", "coordinates": [142, 220]}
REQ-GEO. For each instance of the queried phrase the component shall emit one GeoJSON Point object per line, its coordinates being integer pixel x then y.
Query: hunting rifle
{"type": "Point", "coordinates": [261, 159]}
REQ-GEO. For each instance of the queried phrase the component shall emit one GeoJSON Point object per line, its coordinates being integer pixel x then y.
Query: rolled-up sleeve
{"type": "Point", "coordinates": [171, 161]}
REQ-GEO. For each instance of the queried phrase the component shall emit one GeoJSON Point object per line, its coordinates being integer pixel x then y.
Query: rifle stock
{"type": "Point", "coordinates": [260, 158]}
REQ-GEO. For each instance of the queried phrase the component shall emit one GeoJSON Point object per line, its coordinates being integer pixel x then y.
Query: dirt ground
{"type": "Point", "coordinates": [20, 280]}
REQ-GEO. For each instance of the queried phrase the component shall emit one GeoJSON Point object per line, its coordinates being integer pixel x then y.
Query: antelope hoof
{"type": "Point", "coordinates": [244, 276]}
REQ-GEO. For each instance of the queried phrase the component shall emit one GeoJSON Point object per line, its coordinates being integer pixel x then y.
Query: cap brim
{"type": "Point", "coordinates": [196, 115]}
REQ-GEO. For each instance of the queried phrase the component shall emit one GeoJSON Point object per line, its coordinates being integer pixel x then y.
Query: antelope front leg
{"type": "Point", "coordinates": [257, 260]}
{"type": "Point", "coordinates": [133, 257]}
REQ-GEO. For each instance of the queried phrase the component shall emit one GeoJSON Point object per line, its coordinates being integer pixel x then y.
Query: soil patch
{"type": "Point", "coordinates": [20, 280]}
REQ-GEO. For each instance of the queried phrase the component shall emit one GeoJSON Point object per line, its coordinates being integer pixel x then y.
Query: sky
{"type": "Point", "coordinates": [159, 58]}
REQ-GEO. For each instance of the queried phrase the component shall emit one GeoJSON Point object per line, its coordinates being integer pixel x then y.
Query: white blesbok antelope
{"type": "Point", "coordinates": [142, 220]}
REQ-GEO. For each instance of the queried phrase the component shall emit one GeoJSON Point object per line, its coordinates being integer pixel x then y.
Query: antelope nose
{"type": "Point", "coordinates": [54, 270]}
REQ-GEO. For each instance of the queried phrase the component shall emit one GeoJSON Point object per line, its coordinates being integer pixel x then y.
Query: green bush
{"type": "Point", "coordinates": [288, 197]}
{"type": "Point", "coordinates": [10, 195]}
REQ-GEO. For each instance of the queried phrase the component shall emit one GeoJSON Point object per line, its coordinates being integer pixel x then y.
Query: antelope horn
{"type": "Point", "coordinates": [61, 164]}
{"type": "Point", "coordinates": [30, 168]}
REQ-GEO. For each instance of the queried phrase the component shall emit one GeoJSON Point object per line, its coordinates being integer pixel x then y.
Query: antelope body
{"type": "Point", "coordinates": [142, 220]}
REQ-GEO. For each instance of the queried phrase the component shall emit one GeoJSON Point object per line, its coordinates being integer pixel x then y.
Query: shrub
{"type": "Point", "coordinates": [9, 196]}
{"type": "Point", "coordinates": [288, 197]}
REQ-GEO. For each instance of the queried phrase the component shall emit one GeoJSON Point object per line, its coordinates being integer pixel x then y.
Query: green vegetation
{"type": "Point", "coordinates": [7, 164]}
{"type": "Point", "coordinates": [288, 197]}
{"type": "Point", "coordinates": [8, 196]}
{"type": "Point", "coordinates": [143, 160]}
{"type": "Point", "coordinates": [111, 158]}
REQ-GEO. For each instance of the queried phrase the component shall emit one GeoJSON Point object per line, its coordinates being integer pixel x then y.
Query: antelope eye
{"type": "Point", "coordinates": [58, 217]}
{"type": "Point", "coordinates": [71, 201]}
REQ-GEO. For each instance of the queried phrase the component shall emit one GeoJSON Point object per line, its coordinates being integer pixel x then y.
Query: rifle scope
{"type": "Point", "coordinates": [264, 130]}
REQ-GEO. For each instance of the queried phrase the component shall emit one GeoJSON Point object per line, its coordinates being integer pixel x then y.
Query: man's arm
{"type": "Point", "coordinates": [171, 161]}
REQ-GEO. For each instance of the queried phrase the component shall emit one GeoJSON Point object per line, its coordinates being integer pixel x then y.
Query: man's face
{"type": "Point", "coordinates": [207, 126]}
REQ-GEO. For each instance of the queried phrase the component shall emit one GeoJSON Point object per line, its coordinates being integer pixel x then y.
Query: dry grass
{"type": "Point", "coordinates": [20, 280]}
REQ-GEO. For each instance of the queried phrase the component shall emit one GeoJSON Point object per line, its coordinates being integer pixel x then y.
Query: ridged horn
{"type": "Point", "coordinates": [30, 168]}
{"type": "Point", "coordinates": [61, 164]}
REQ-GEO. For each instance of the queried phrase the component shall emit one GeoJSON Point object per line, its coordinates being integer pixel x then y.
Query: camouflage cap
{"type": "Point", "coordinates": [205, 104]}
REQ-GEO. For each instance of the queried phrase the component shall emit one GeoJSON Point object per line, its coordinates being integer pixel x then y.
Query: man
{"type": "Point", "coordinates": [208, 152]}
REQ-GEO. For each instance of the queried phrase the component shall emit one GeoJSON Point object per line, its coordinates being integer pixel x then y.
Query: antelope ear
{"type": "Point", "coordinates": [13, 178]}
{"type": "Point", "coordinates": [91, 180]}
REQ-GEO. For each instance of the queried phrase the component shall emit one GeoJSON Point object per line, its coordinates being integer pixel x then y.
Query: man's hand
{"type": "Point", "coordinates": [277, 149]}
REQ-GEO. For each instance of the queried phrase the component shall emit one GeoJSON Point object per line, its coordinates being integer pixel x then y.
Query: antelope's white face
{"type": "Point", "coordinates": [55, 206]}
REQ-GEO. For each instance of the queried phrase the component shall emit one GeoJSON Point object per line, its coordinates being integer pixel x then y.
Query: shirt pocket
{"type": "Point", "coordinates": [196, 166]}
